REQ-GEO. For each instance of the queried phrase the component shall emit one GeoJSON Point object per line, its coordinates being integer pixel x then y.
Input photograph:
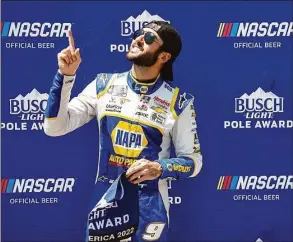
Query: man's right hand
{"type": "Point", "coordinates": [69, 59]}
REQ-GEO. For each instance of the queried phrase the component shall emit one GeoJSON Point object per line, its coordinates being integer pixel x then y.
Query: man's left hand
{"type": "Point", "coordinates": [143, 170]}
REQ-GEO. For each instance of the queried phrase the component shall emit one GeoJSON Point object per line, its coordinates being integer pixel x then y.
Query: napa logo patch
{"type": "Point", "coordinates": [128, 139]}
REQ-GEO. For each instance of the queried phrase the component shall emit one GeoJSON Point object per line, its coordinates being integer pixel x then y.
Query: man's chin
{"type": "Point", "coordinates": [140, 59]}
{"type": "Point", "coordinates": [131, 56]}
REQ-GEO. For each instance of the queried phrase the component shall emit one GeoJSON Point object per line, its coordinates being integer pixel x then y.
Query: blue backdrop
{"type": "Point", "coordinates": [236, 60]}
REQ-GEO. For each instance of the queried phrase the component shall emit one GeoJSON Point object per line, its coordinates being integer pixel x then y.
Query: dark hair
{"type": "Point", "coordinates": [171, 43]}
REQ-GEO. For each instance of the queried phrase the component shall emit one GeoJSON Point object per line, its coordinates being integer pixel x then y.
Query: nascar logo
{"type": "Point", "coordinates": [128, 139]}
{"type": "Point", "coordinates": [37, 185]}
{"type": "Point", "coordinates": [255, 29]}
{"type": "Point", "coordinates": [27, 29]}
{"type": "Point", "coordinates": [255, 182]}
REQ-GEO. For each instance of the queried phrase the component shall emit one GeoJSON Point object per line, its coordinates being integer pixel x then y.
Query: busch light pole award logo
{"type": "Point", "coordinates": [259, 110]}
{"type": "Point", "coordinates": [259, 104]}
{"type": "Point", "coordinates": [130, 25]}
{"type": "Point", "coordinates": [30, 111]}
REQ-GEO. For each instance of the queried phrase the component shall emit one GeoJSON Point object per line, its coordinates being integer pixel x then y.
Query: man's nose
{"type": "Point", "coordinates": [140, 40]}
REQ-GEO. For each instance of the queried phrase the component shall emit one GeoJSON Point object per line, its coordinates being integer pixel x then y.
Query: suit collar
{"type": "Point", "coordinates": [142, 87]}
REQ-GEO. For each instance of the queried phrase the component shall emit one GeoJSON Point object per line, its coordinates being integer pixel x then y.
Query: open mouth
{"type": "Point", "coordinates": [136, 48]}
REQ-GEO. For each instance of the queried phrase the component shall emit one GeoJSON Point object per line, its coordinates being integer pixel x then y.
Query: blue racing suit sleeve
{"type": "Point", "coordinates": [188, 161]}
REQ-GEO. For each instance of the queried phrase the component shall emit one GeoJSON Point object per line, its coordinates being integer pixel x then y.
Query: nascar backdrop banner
{"type": "Point", "coordinates": [236, 61]}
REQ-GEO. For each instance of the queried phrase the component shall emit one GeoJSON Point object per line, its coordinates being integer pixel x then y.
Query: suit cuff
{"type": "Point", "coordinates": [166, 168]}
{"type": "Point", "coordinates": [64, 78]}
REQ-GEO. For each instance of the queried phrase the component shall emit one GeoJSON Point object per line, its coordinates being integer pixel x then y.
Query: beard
{"type": "Point", "coordinates": [144, 59]}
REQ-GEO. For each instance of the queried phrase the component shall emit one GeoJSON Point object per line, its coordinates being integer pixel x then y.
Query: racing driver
{"type": "Point", "coordinates": [140, 114]}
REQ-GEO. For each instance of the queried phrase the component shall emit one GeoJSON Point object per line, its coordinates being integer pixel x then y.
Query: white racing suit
{"type": "Point", "coordinates": [136, 120]}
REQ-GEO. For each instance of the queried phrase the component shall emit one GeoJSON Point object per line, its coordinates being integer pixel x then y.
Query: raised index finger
{"type": "Point", "coordinates": [71, 40]}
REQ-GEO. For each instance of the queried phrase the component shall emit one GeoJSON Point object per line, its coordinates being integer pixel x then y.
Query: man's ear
{"type": "Point", "coordinates": [165, 56]}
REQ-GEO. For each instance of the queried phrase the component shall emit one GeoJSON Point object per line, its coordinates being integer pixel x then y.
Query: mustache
{"type": "Point", "coordinates": [138, 45]}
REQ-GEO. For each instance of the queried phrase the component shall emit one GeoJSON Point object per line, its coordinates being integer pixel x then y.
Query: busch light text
{"type": "Point", "coordinates": [258, 105]}
{"type": "Point", "coordinates": [27, 106]}
{"type": "Point", "coordinates": [127, 28]}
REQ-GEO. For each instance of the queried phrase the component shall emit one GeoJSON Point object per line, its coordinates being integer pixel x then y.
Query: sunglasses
{"type": "Point", "coordinates": [148, 37]}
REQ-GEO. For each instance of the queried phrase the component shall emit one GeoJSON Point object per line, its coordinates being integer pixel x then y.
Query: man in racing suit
{"type": "Point", "coordinates": [140, 114]}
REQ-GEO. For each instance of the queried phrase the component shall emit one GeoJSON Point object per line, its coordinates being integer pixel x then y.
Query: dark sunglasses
{"type": "Point", "coordinates": [148, 37]}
